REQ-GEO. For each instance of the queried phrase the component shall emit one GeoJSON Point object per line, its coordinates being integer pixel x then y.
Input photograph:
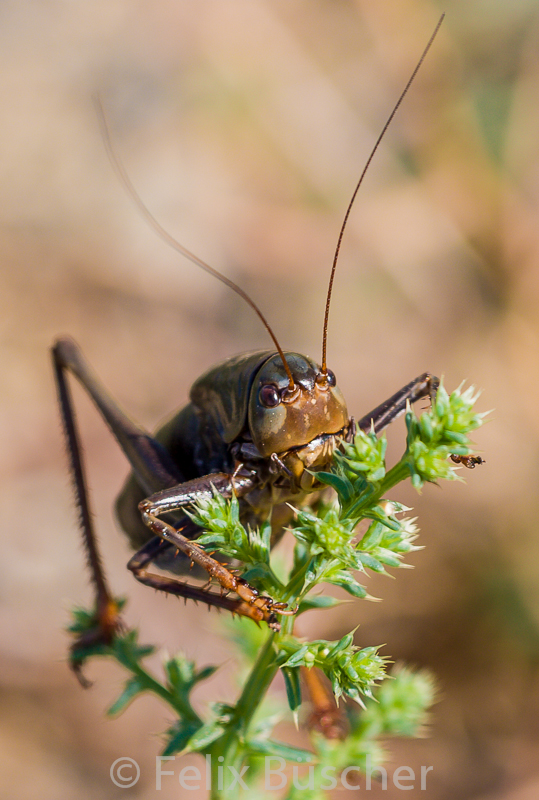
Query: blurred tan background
{"type": "Point", "coordinates": [244, 126]}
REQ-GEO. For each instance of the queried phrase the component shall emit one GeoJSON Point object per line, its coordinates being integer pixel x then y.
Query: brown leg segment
{"type": "Point", "coordinates": [149, 461]}
{"type": "Point", "coordinates": [107, 620]}
{"type": "Point", "coordinates": [252, 605]}
{"type": "Point", "coordinates": [383, 415]}
{"type": "Point", "coordinates": [144, 557]}
{"type": "Point", "coordinates": [326, 716]}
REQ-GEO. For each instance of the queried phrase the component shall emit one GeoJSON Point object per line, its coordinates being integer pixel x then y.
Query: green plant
{"type": "Point", "coordinates": [235, 738]}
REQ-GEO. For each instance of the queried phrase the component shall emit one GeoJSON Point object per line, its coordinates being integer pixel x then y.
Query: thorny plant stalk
{"type": "Point", "coordinates": [328, 550]}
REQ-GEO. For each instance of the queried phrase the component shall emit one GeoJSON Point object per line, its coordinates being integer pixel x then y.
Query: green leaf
{"type": "Point", "coordinates": [341, 645]}
{"type": "Point", "coordinates": [387, 557]}
{"type": "Point", "coordinates": [269, 747]}
{"type": "Point", "coordinates": [370, 562]}
{"type": "Point", "coordinates": [318, 601]}
{"type": "Point", "coordinates": [133, 686]}
{"type": "Point", "coordinates": [347, 582]}
{"type": "Point", "coordinates": [379, 513]}
{"type": "Point", "coordinates": [127, 649]}
{"type": "Point", "coordinates": [372, 537]}
{"type": "Point", "coordinates": [341, 484]}
{"type": "Point", "coordinates": [204, 736]}
{"type": "Point", "coordinates": [297, 658]}
{"type": "Point", "coordinates": [293, 686]}
{"type": "Point", "coordinates": [178, 737]}
{"type": "Point", "coordinates": [456, 436]}
{"type": "Point", "coordinates": [205, 672]}
{"type": "Point", "coordinates": [179, 672]}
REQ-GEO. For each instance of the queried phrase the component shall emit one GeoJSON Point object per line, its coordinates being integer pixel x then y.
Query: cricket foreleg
{"type": "Point", "coordinates": [251, 604]}
{"type": "Point", "coordinates": [423, 386]}
{"type": "Point", "coordinates": [155, 547]}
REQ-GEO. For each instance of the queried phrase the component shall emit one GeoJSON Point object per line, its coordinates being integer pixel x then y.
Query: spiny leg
{"type": "Point", "coordinates": [257, 607]}
{"type": "Point", "coordinates": [145, 556]}
{"type": "Point", "coordinates": [326, 717]}
{"type": "Point", "coordinates": [150, 463]}
{"type": "Point", "coordinates": [107, 621]}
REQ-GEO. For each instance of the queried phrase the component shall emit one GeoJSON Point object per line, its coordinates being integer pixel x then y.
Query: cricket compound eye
{"type": "Point", "coordinates": [326, 378]}
{"type": "Point", "coordinates": [269, 395]}
{"type": "Point", "coordinates": [330, 377]}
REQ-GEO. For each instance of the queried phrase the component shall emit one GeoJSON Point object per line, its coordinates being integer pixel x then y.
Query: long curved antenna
{"type": "Point", "coordinates": [171, 241]}
{"type": "Point", "coordinates": [365, 168]}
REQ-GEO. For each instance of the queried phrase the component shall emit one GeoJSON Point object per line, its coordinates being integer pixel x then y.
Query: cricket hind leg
{"type": "Point", "coordinates": [149, 462]}
{"type": "Point", "coordinates": [326, 716]}
{"type": "Point", "coordinates": [160, 479]}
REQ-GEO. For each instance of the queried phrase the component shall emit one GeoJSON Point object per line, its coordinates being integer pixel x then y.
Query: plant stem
{"type": "Point", "coordinates": [229, 744]}
{"type": "Point", "coordinates": [395, 475]}
{"type": "Point", "coordinates": [294, 587]}
{"type": "Point", "coordinates": [183, 707]}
